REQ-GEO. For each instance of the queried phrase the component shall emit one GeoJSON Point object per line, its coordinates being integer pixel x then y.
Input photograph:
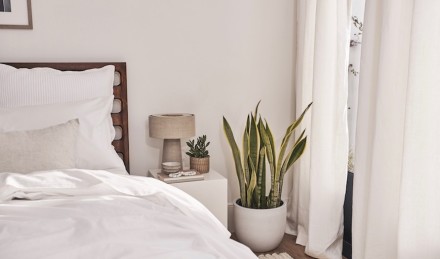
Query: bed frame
{"type": "Point", "coordinates": [120, 119]}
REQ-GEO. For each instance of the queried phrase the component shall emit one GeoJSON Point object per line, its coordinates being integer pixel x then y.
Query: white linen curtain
{"type": "Point", "coordinates": [315, 207]}
{"type": "Point", "coordinates": [396, 206]}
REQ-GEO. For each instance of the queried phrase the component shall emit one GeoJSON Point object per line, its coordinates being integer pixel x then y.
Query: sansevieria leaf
{"type": "Point", "coordinates": [246, 147]}
{"type": "Point", "coordinates": [237, 158]}
{"type": "Point", "coordinates": [295, 124]}
{"type": "Point", "coordinates": [252, 183]}
{"type": "Point", "coordinates": [269, 149]}
{"type": "Point", "coordinates": [254, 142]}
{"type": "Point", "coordinates": [294, 154]}
{"type": "Point", "coordinates": [260, 189]}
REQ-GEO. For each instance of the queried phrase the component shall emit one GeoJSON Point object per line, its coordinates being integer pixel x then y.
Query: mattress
{"type": "Point", "coordinates": [78, 213]}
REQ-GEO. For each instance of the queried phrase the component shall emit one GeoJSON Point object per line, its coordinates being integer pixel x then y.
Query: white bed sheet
{"type": "Point", "coordinates": [96, 214]}
{"type": "Point", "coordinates": [121, 171]}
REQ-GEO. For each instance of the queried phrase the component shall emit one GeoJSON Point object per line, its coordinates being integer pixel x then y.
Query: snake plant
{"type": "Point", "coordinates": [250, 163]}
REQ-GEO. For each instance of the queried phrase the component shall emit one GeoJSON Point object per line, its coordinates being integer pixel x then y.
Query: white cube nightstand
{"type": "Point", "coordinates": [211, 192]}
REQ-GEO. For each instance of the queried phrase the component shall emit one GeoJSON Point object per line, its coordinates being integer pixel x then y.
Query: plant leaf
{"type": "Point", "coordinates": [256, 109]}
{"type": "Point", "coordinates": [294, 154]}
{"type": "Point", "coordinates": [252, 183]}
{"type": "Point", "coordinates": [246, 151]}
{"type": "Point", "coordinates": [260, 189]}
{"type": "Point", "coordinates": [269, 155]}
{"type": "Point", "coordinates": [254, 142]}
{"type": "Point", "coordinates": [237, 158]}
{"type": "Point", "coordinates": [295, 124]}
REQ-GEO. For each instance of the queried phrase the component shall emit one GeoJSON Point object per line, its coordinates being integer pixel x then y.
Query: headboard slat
{"type": "Point", "coordinates": [117, 91]}
{"type": "Point", "coordinates": [119, 145]}
{"type": "Point", "coordinates": [117, 119]}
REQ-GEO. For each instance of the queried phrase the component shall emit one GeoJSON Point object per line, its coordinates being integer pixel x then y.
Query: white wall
{"type": "Point", "coordinates": [210, 58]}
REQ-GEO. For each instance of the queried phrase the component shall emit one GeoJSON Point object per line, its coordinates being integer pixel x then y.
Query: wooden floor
{"type": "Point", "coordinates": [288, 245]}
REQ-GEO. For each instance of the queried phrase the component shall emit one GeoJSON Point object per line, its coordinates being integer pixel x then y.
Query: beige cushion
{"type": "Point", "coordinates": [96, 132]}
{"type": "Point", "coordinates": [37, 150]}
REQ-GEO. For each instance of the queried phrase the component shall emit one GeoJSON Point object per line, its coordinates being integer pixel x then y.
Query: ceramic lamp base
{"type": "Point", "coordinates": [172, 151]}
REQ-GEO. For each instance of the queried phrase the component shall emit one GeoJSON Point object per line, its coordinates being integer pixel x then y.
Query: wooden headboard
{"type": "Point", "coordinates": [120, 119]}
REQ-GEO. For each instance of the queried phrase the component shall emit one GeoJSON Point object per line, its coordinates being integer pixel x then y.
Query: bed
{"type": "Point", "coordinates": [65, 190]}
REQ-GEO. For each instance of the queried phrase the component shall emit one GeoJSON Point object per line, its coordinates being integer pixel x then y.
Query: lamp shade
{"type": "Point", "coordinates": [172, 126]}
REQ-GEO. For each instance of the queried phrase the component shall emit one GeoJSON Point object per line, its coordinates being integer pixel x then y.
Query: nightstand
{"type": "Point", "coordinates": [211, 192]}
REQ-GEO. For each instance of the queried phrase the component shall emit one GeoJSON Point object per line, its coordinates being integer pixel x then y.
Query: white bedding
{"type": "Point", "coordinates": [96, 214]}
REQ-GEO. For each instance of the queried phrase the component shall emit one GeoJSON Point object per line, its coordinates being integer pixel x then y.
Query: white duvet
{"type": "Point", "coordinates": [95, 214]}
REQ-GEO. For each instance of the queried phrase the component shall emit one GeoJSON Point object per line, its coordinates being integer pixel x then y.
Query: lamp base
{"type": "Point", "coordinates": [172, 151]}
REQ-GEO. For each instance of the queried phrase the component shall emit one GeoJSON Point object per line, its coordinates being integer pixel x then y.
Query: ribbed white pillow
{"type": "Point", "coordinates": [37, 150]}
{"type": "Point", "coordinates": [36, 86]}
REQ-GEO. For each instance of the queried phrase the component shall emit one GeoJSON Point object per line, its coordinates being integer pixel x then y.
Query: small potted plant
{"type": "Point", "coordinates": [198, 154]}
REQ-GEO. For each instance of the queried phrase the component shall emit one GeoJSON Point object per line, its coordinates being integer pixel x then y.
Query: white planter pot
{"type": "Point", "coordinates": [261, 230]}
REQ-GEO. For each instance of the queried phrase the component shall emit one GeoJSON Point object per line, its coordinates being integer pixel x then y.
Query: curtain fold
{"type": "Point", "coordinates": [396, 203]}
{"type": "Point", "coordinates": [315, 207]}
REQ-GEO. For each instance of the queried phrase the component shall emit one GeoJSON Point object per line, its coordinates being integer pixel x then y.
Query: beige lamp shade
{"type": "Point", "coordinates": [171, 128]}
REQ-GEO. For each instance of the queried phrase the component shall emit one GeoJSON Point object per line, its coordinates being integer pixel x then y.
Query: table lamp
{"type": "Point", "coordinates": [171, 128]}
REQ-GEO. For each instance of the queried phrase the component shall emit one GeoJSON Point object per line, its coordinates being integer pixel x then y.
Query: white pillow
{"type": "Point", "coordinates": [36, 86]}
{"type": "Point", "coordinates": [96, 131]}
{"type": "Point", "coordinates": [37, 150]}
